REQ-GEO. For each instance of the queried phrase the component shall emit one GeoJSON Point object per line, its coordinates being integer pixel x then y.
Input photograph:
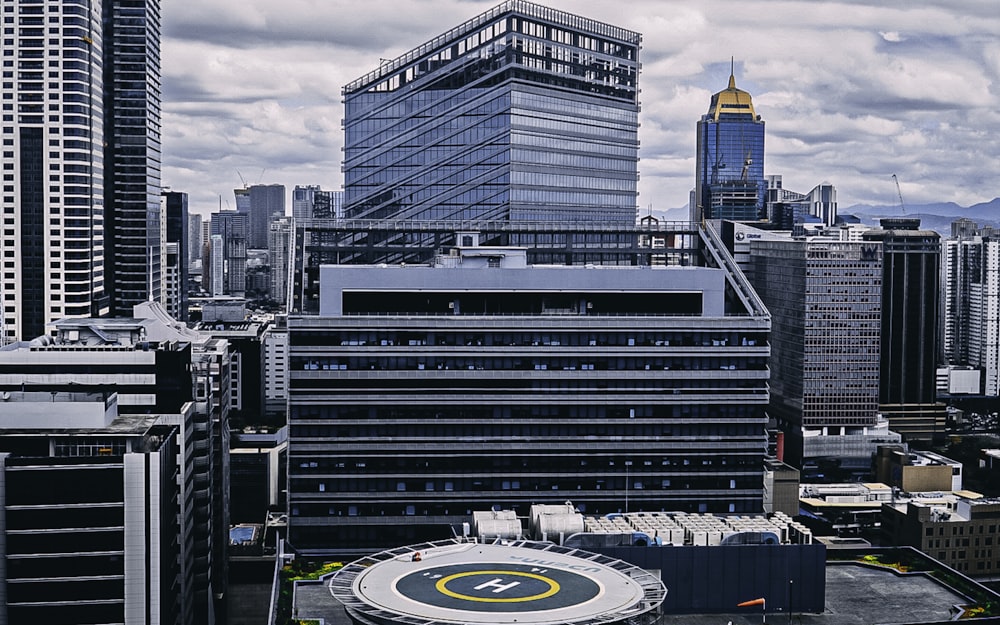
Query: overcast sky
{"type": "Point", "coordinates": [851, 92]}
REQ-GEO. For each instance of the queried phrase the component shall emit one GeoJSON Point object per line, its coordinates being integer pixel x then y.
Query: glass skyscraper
{"type": "Point", "coordinates": [523, 113]}
{"type": "Point", "coordinates": [729, 181]}
{"type": "Point", "coordinates": [132, 152]}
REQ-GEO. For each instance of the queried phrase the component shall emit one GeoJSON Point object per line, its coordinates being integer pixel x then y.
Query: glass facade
{"type": "Point", "coordinates": [730, 180]}
{"type": "Point", "coordinates": [132, 182]}
{"type": "Point", "coordinates": [522, 113]}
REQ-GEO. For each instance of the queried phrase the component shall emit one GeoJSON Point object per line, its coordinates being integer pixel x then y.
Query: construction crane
{"type": "Point", "coordinates": [902, 208]}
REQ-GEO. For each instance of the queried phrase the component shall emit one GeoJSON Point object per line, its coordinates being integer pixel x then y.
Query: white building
{"type": "Point", "coordinates": [279, 241]}
{"type": "Point", "coordinates": [276, 366]}
{"type": "Point", "coordinates": [52, 167]}
{"type": "Point", "coordinates": [217, 270]}
{"type": "Point", "coordinates": [970, 281]}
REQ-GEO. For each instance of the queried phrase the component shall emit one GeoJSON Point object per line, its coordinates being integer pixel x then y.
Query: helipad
{"type": "Point", "coordinates": [521, 582]}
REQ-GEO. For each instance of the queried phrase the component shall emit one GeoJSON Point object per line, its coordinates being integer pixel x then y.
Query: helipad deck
{"type": "Point", "coordinates": [522, 582]}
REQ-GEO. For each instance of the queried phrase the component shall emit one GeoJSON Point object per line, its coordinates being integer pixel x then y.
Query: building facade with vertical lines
{"type": "Point", "coordinates": [52, 156]}
{"type": "Point", "coordinates": [80, 160]}
{"type": "Point", "coordinates": [132, 152]}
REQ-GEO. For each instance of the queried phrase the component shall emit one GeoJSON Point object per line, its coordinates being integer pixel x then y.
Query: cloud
{"type": "Point", "coordinates": [850, 91]}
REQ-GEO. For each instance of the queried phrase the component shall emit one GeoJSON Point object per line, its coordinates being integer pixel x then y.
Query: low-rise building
{"type": "Point", "coordinates": [914, 471]}
{"type": "Point", "coordinates": [958, 529]}
{"type": "Point", "coordinates": [98, 525]}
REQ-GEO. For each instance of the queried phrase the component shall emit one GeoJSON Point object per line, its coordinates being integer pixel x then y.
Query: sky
{"type": "Point", "coordinates": [851, 92]}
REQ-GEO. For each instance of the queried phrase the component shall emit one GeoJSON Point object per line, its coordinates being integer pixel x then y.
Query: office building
{"type": "Point", "coordinates": [421, 392]}
{"type": "Point", "coordinates": [276, 368]}
{"type": "Point", "coordinates": [266, 201]}
{"type": "Point", "coordinates": [242, 198]}
{"type": "Point", "coordinates": [984, 315]}
{"type": "Point", "coordinates": [961, 267]}
{"type": "Point", "coordinates": [132, 152]}
{"type": "Point", "coordinates": [152, 365]}
{"type": "Point", "coordinates": [97, 524]}
{"type": "Point", "coordinates": [910, 313]}
{"type": "Point", "coordinates": [958, 529]}
{"type": "Point", "coordinates": [914, 471]}
{"type": "Point", "coordinates": [823, 203]}
{"type": "Point", "coordinates": [970, 271]}
{"type": "Point", "coordinates": [279, 247]}
{"type": "Point", "coordinates": [234, 229]}
{"type": "Point", "coordinates": [246, 344]}
{"type": "Point", "coordinates": [177, 269]}
{"type": "Point", "coordinates": [53, 137]}
{"type": "Point", "coordinates": [196, 241]}
{"type": "Point", "coordinates": [81, 161]}
{"type": "Point", "coordinates": [258, 473]}
{"type": "Point", "coordinates": [729, 175]}
{"type": "Point", "coordinates": [522, 113]}
{"type": "Point", "coordinates": [825, 299]}
{"type": "Point", "coordinates": [216, 267]}
{"type": "Point", "coordinates": [303, 198]}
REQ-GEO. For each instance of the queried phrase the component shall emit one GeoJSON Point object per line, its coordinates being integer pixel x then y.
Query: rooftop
{"type": "Point", "coordinates": [468, 582]}
{"type": "Point", "coordinates": [856, 594]}
{"type": "Point", "coordinates": [859, 595]}
{"type": "Point", "coordinates": [529, 9]}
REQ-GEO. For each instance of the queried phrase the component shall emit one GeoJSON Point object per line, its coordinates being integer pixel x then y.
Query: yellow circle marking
{"type": "Point", "coordinates": [442, 587]}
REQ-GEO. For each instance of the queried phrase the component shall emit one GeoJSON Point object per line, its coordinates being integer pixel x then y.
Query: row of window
{"type": "Point", "coordinates": [630, 338]}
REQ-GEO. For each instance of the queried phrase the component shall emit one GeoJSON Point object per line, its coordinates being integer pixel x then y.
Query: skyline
{"type": "Point", "coordinates": [254, 90]}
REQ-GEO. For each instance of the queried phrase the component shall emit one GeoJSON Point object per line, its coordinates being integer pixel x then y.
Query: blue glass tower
{"type": "Point", "coordinates": [522, 113]}
{"type": "Point", "coordinates": [730, 162]}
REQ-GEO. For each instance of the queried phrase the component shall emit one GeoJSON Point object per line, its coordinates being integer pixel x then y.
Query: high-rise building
{"type": "Point", "coordinates": [81, 160]}
{"type": "Point", "coordinates": [522, 113]}
{"type": "Point", "coordinates": [279, 242]}
{"type": "Point", "coordinates": [177, 235]}
{"type": "Point", "coordinates": [984, 323]}
{"type": "Point", "coordinates": [132, 151]}
{"type": "Point", "coordinates": [266, 201]}
{"type": "Point", "coordinates": [961, 275]}
{"type": "Point", "coordinates": [196, 242]}
{"type": "Point", "coordinates": [234, 228]}
{"type": "Point", "coordinates": [910, 309]}
{"type": "Point", "coordinates": [421, 392]}
{"type": "Point", "coordinates": [823, 203]}
{"type": "Point", "coordinates": [825, 298]}
{"type": "Point", "coordinates": [729, 176]}
{"type": "Point", "coordinates": [242, 199]}
{"type": "Point", "coordinates": [53, 165]}
{"type": "Point", "coordinates": [216, 267]}
{"type": "Point", "coordinates": [303, 197]}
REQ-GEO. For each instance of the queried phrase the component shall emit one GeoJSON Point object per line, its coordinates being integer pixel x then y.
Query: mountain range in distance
{"type": "Point", "coordinates": [935, 216]}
